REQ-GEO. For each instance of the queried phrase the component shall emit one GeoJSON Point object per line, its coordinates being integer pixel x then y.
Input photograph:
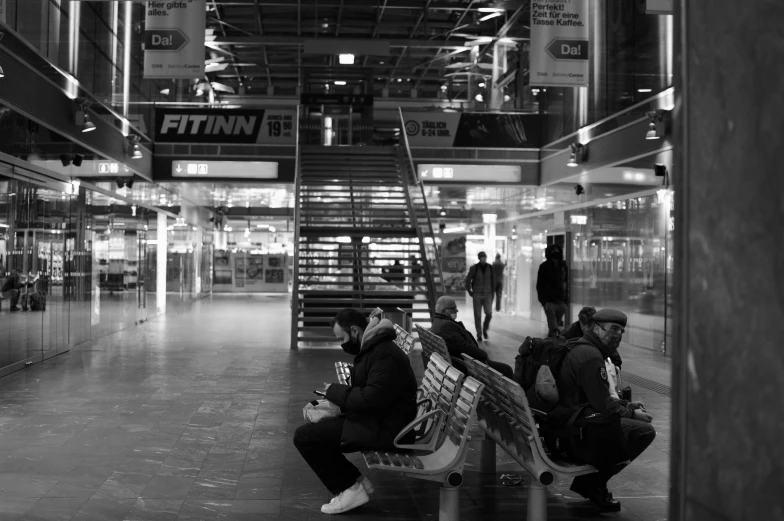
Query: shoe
{"type": "Point", "coordinates": [347, 500]}
{"type": "Point", "coordinates": [485, 333]}
{"type": "Point", "coordinates": [478, 338]}
{"type": "Point", "coordinates": [601, 497]}
{"type": "Point", "coordinates": [367, 485]}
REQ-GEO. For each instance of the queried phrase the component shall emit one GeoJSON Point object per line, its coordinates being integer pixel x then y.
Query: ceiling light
{"type": "Point", "coordinates": [443, 87]}
{"type": "Point", "coordinates": [490, 16]}
{"type": "Point", "coordinates": [399, 80]}
{"type": "Point", "coordinates": [339, 82]}
{"type": "Point", "coordinates": [346, 59]}
{"type": "Point", "coordinates": [134, 150]}
{"type": "Point", "coordinates": [490, 9]}
{"type": "Point", "coordinates": [578, 154]}
{"type": "Point", "coordinates": [507, 97]}
{"type": "Point", "coordinates": [81, 117]}
{"type": "Point", "coordinates": [479, 97]}
{"type": "Point", "coordinates": [272, 229]}
{"type": "Point", "coordinates": [87, 126]}
{"type": "Point", "coordinates": [644, 90]}
{"type": "Point", "coordinates": [2, 73]}
{"type": "Point", "coordinates": [482, 85]}
{"type": "Point", "coordinates": [165, 92]}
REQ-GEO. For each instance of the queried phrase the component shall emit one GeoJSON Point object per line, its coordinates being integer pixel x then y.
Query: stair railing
{"type": "Point", "coordinates": [415, 196]}
{"type": "Point", "coordinates": [297, 224]}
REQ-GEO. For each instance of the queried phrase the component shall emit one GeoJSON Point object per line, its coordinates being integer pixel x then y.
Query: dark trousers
{"type": "Point", "coordinates": [498, 291]}
{"type": "Point", "coordinates": [638, 435]}
{"type": "Point", "coordinates": [319, 444]}
{"type": "Point", "coordinates": [554, 311]}
{"type": "Point", "coordinates": [13, 296]}
{"type": "Point", "coordinates": [502, 368]}
{"type": "Point", "coordinates": [480, 303]}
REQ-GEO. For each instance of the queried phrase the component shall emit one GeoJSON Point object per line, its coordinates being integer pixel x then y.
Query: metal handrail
{"type": "Point", "coordinates": [418, 181]}
{"type": "Point", "coordinates": [297, 219]}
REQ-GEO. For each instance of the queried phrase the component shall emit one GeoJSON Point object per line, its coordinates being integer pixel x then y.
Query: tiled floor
{"type": "Point", "coordinates": [191, 415]}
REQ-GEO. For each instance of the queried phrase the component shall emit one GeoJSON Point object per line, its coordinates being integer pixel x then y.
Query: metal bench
{"type": "Point", "coordinates": [431, 343]}
{"type": "Point", "coordinates": [437, 394]}
{"type": "Point", "coordinates": [445, 464]}
{"type": "Point", "coordinates": [507, 419]}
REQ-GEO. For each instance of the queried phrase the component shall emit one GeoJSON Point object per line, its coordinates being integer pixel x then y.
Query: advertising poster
{"type": "Point", "coordinates": [453, 258]}
{"type": "Point", "coordinates": [235, 126]}
{"type": "Point", "coordinates": [473, 129]}
{"type": "Point", "coordinates": [559, 43]}
{"type": "Point", "coordinates": [174, 39]}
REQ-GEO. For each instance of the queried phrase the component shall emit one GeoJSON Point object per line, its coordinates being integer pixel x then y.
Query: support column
{"type": "Point", "coordinates": [727, 458]}
{"type": "Point", "coordinates": [537, 501]}
{"type": "Point", "coordinates": [489, 232]}
{"type": "Point", "coordinates": [160, 258]}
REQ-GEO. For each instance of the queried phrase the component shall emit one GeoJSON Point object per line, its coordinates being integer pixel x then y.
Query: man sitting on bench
{"type": "Point", "coordinates": [612, 430]}
{"type": "Point", "coordinates": [379, 401]}
{"type": "Point", "coordinates": [13, 286]}
{"type": "Point", "coordinates": [458, 339]}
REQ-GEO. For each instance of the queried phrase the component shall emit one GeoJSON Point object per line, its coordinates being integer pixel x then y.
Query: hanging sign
{"type": "Point", "coordinates": [235, 126]}
{"type": "Point", "coordinates": [174, 39]}
{"type": "Point", "coordinates": [559, 43]}
{"type": "Point", "coordinates": [472, 129]}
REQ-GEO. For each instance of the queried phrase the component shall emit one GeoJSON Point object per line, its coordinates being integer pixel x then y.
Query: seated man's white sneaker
{"type": "Point", "coordinates": [347, 500]}
{"type": "Point", "coordinates": [367, 484]}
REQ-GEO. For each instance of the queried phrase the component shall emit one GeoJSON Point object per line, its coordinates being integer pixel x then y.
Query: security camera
{"type": "Point", "coordinates": [660, 169]}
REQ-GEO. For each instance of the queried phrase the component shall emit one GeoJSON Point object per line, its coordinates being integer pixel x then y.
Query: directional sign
{"type": "Point", "coordinates": [563, 49]}
{"type": "Point", "coordinates": [164, 40]}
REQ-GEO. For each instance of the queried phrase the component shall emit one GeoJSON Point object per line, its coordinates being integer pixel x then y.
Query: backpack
{"type": "Point", "coordinates": [38, 301]}
{"type": "Point", "coordinates": [538, 361]}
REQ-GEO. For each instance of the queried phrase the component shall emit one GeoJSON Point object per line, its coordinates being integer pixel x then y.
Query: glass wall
{"type": "Point", "coordinates": [620, 256]}
{"type": "Point", "coordinates": [76, 265]}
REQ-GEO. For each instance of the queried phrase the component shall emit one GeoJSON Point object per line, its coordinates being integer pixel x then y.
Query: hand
{"type": "Point", "coordinates": [637, 405]}
{"type": "Point", "coordinates": [641, 415]}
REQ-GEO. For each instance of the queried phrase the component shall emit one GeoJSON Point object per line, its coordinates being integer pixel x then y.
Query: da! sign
{"type": "Point", "coordinates": [174, 39]}
{"type": "Point", "coordinates": [559, 43]}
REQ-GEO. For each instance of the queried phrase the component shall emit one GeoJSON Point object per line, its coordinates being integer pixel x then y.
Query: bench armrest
{"type": "Point", "coordinates": [408, 428]}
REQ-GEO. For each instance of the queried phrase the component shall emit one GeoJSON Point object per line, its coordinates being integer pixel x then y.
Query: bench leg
{"type": "Point", "coordinates": [537, 501]}
{"type": "Point", "coordinates": [487, 456]}
{"type": "Point", "coordinates": [449, 507]}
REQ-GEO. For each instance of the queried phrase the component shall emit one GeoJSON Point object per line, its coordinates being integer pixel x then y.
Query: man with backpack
{"type": "Point", "coordinates": [606, 430]}
{"type": "Point", "coordinates": [481, 285]}
{"type": "Point", "coordinates": [552, 288]}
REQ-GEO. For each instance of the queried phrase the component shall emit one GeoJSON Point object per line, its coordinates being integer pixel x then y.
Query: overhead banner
{"type": "Point", "coordinates": [174, 39]}
{"type": "Point", "coordinates": [231, 126]}
{"type": "Point", "coordinates": [559, 43]}
{"type": "Point", "coordinates": [475, 129]}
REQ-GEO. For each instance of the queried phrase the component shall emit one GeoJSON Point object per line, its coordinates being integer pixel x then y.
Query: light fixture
{"type": "Point", "coordinates": [644, 90]}
{"type": "Point", "coordinates": [490, 9]}
{"type": "Point", "coordinates": [482, 85]}
{"type": "Point", "coordinates": [2, 73]}
{"type": "Point", "coordinates": [65, 160]}
{"type": "Point", "coordinates": [479, 97]}
{"type": "Point", "coordinates": [134, 150]}
{"type": "Point", "coordinates": [656, 126]}
{"type": "Point", "coordinates": [578, 154]}
{"type": "Point", "coordinates": [77, 159]}
{"type": "Point", "coordinates": [81, 116]}
{"type": "Point", "coordinates": [490, 16]}
{"type": "Point", "coordinates": [339, 82]}
{"type": "Point", "coordinates": [346, 59]}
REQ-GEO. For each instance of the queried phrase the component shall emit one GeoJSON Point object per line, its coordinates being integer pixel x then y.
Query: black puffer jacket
{"type": "Point", "coordinates": [458, 339]}
{"type": "Point", "coordinates": [553, 277]}
{"type": "Point", "coordinates": [381, 399]}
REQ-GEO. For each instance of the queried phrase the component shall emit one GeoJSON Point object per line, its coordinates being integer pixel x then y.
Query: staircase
{"type": "Point", "coordinates": [358, 245]}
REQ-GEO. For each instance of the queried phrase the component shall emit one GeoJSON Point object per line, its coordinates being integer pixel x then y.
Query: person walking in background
{"type": "Point", "coordinates": [498, 271]}
{"type": "Point", "coordinates": [480, 285]}
{"type": "Point", "coordinates": [552, 288]}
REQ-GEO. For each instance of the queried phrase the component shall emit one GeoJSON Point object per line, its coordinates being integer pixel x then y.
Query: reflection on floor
{"type": "Point", "coordinates": [190, 416]}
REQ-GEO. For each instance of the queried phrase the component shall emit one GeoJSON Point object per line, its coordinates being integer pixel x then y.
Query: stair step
{"type": "Point", "coordinates": [360, 231]}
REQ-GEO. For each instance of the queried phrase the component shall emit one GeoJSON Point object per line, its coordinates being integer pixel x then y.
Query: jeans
{"type": "Point", "coordinates": [554, 311]}
{"type": "Point", "coordinates": [319, 444]}
{"type": "Point", "coordinates": [13, 295]}
{"type": "Point", "coordinates": [498, 291]}
{"type": "Point", "coordinates": [638, 434]}
{"type": "Point", "coordinates": [487, 304]}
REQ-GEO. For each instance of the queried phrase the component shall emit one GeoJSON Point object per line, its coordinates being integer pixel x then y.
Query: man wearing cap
{"type": "Point", "coordinates": [583, 382]}
{"type": "Point", "coordinates": [458, 339]}
{"type": "Point", "coordinates": [480, 285]}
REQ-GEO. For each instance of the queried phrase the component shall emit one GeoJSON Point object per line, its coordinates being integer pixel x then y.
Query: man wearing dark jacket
{"type": "Point", "coordinates": [480, 285]}
{"type": "Point", "coordinates": [458, 339]}
{"type": "Point", "coordinates": [13, 286]}
{"type": "Point", "coordinates": [498, 270]}
{"type": "Point", "coordinates": [585, 323]}
{"type": "Point", "coordinates": [583, 382]}
{"type": "Point", "coordinates": [379, 401]}
{"type": "Point", "coordinates": [552, 288]}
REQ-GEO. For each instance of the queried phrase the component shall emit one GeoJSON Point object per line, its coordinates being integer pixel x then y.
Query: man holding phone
{"type": "Point", "coordinates": [378, 400]}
